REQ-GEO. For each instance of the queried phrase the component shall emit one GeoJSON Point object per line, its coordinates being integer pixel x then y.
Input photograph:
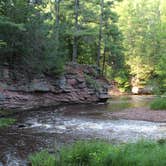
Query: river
{"type": "Point", "coordinates": [53, 127]}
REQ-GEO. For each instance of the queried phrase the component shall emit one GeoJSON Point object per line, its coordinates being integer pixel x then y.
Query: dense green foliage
{"type": "Point", "coordinates": [104, 154]}
{"type": "Point", "coordinates": [42, 159]}
{"type": "Point", "coordinates": [5, 122]}
{"type": "Point", "coordinates": [42, 36]}
{"type": "Point", "coordinates": [158, 104]}
{"type": "Point", "coordinates": [125, 39]}
{"type": "Point", "coordinates": [143, 24]}
{"type": "Point", "coordinates": [27, 36]}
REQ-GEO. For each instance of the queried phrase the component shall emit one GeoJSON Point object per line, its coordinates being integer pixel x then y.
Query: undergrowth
{"type": "Point", "coordinates": [158, 104]}
{"type": "Point", "coordinates": [142, 153]}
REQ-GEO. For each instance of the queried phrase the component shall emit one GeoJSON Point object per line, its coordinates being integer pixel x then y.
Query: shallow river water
{"type": "Point", "coordinates": [54, 127]}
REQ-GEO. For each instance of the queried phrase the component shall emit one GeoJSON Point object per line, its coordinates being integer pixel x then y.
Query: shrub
{"type": "Point", "coordinates": [5, 122]}
{"type": "Point", "coordinates": [42, 158]}
{"type": "Point", "coordinates": [85, 153]}
{"type": "Point", "coordinates": [142, 153]}
{"type": "Point", "coordinates": [92, 83]}
{"type": "Point", "coordinates": [146, 153]}
{"type": "Point", "coordinates": [123, 83]}
{"type": "Point", "coordinates": [158, 104]}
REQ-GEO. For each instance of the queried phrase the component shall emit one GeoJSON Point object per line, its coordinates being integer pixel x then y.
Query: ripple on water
{"type": "Point", "coordinates": [124, 130]}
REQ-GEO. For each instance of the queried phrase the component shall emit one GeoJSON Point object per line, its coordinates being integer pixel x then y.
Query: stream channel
{"type": "Point", "coordinates": [53, 127]}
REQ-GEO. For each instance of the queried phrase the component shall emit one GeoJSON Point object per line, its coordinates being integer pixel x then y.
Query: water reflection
{"type": "Point", "coordinates": [123, 102]}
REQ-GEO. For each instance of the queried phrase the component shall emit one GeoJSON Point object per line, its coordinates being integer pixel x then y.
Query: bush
{"type": "Point", "coordinates": [92, 82]}
{"type": "Point", "coordinates": [85, 153]}
{"type": "Point", "coordinates": [146, 153]}
{"type": "Point", "coordinates": [158, 104]}
{"type": "Point", "coordinates": [123, 82]}
{"type": "Point", "coordinates": [42, 158]}
{"type": "Point", "coordinates": [142, 153]}
{"type": "Point", "coordinates": [5, 122]}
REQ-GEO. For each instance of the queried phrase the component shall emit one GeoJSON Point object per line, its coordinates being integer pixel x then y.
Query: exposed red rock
{"type": "Point", "coordinates": [71, 87]}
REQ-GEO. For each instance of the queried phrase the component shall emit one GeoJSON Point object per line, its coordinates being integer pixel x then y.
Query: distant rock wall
{"type": "Point", "coordinates": [78, 84]}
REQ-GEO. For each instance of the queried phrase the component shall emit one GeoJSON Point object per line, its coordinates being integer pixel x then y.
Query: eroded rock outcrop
{"type": "Point", "coordinates": [79, 84]}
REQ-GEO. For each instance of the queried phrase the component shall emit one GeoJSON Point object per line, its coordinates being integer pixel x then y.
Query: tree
{"type": "Point", "coordinates": [57, 8]}
{"type": "Point", "coordinates": [29, 36]}
{"type": "Point", "coordinates": [142, 25]}
{"type": "Point", "coordinates": [47, 33]}
{"type": "Point", "coordinates": [100, 32]}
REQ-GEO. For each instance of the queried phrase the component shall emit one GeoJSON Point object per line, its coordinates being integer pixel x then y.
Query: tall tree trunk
{"type": "Point", "coordinates": [104, 61]}
{"type": "Point", "coordinates": [75, 38]}
{"type": "Point", "coordinates": [100, 32]}
{"type": "Point", "coordinates": [57, 9]}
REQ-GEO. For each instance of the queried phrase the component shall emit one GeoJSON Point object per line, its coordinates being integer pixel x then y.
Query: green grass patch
{"type": "Point", "coordinates": [42, 158]}
{"type": "Point", "coordinates": [6, 122]}
{"type": "Point", "coordinates": [5, 112]}
{"type": "Point", "coordinates": [142, 153]}
{"type": "Point", "coordinates": [158, 104]}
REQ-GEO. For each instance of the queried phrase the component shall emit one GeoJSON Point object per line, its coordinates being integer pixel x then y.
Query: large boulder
{"type": "Point", "coordinates": [142, 90]}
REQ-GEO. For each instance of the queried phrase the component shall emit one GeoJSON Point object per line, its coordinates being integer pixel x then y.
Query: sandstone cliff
{"type": "Point", "coordinates": [78, 84]}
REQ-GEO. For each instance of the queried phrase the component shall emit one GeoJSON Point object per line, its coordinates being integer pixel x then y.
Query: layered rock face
{"type": "Point", "coordinates": [78, 84]}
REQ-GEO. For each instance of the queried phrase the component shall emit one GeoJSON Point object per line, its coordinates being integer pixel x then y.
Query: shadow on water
{"type": "Point", "coordinates": [39, 129]}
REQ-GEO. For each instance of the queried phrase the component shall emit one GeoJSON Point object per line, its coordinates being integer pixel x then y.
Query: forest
{"type": "Point", "coordinates": [125, 40]}
{"type": "Point", "coordinates": [83, 82]}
